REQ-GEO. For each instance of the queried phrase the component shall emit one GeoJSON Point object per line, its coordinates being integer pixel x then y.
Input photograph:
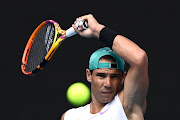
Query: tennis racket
{"type": "Point", "coordinates": [43, 43]}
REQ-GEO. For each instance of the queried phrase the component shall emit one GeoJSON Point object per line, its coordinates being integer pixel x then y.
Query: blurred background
{"type": "Point", "coordinates": [153, 25]}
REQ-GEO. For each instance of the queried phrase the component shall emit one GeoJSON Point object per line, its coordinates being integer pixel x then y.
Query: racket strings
{"type": "Point", "coordinates": [42, 44]}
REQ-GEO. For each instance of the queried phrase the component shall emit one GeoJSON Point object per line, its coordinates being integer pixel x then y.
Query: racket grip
{"type": "Point", "coordinates": [81, 25]}
{"type": "Point", "coordinates": [70, 32]}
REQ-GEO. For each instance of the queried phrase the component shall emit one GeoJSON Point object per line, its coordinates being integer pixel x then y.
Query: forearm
{"type": "Point", "coordinates": [125, 48]}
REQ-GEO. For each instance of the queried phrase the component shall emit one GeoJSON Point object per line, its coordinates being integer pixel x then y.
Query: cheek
{"type": "Point", "coordinates": [95, 90]}
{"type": "Point", "coordinates": [96, 84]}
{"type": "Point", "coordinates": [117, 84]}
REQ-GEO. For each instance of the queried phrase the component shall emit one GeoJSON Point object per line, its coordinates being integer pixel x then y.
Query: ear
{"type": "Point", "coordinates": [88, 75]}
{"type": "Point", "coordinates": [123, 77]}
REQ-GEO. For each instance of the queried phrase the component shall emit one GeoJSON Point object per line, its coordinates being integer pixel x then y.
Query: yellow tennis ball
{"type": "Point", "coordinates": [78, 94]}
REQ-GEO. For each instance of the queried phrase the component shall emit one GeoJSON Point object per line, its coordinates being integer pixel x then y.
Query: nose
{"type": "Point", "coordinates": [107, 82]}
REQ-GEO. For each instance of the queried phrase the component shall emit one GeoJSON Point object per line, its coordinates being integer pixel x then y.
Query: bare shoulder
{"type": "Point", "coordinates": [62, 117]}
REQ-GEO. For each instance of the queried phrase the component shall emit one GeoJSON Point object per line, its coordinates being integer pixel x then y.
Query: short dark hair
{"type": "Point", "coordinates": [108, 57]}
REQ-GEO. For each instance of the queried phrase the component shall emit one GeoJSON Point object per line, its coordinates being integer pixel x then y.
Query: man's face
{"type": "Point", "coordinates": [105, 83]}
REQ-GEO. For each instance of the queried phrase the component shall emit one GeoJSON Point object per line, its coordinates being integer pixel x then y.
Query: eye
{"type": "Point", "coordinates": [101, 75]}
{"type": "Point", "coordinates": [115, 76]}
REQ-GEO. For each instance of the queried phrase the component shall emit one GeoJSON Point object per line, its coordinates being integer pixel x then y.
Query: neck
{"type": "Point", "coordinates": [96, 106]}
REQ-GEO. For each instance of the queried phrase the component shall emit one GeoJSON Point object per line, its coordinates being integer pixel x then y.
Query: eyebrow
{"type": "Point", "coordinates": [106, 74]}
{"type": "Point", "coordinates": [101, 74]}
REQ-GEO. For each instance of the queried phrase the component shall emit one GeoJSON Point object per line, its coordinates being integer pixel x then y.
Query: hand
{"type": "Point", "coordinates": [94, 27]}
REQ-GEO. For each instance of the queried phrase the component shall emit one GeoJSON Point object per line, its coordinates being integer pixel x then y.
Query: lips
{"type": "Point", "coordinates": [107, 92]}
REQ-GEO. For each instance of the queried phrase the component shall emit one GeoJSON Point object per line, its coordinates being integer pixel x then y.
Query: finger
{"type": "Point", "coordinates": [86, 17]}
{"type": "Point", "coordinates": [75, 28]}
{"type": "Point", "coordinates": [82, 18]}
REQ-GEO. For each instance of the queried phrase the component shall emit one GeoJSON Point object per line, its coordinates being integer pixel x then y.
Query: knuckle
{"type": "Point", "coordinates": [90, 15]}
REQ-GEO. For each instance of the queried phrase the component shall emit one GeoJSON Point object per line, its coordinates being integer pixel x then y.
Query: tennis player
{"type": "Point", "coordinates": [116, 94]}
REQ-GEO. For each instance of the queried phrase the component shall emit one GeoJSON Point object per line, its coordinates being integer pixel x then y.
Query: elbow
{"type": "Point", "coordinates": [141, 58]}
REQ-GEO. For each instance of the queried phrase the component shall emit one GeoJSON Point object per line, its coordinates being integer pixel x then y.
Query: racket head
{"type": "Point", "coordinates": [40, 47]}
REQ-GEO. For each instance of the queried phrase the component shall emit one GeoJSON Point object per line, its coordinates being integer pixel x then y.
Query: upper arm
{"type": "Point", "coordinates": [136, 82]}
{"type": "Point", "coordinates": [136, 86]}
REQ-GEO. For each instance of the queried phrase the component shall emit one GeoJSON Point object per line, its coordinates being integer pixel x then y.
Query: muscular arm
{"type": "Point", "coordinates": [136, 81]}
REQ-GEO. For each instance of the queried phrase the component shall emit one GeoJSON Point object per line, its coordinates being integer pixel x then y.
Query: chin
{"type": "Point", "coordinates": [107, 100]}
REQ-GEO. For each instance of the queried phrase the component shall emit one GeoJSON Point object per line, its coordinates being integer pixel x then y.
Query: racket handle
{"type": "Point", "coordinates": [81, 25]}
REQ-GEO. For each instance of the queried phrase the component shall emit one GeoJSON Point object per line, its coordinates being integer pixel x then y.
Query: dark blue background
{"type": "Point", "coordinates": [153, 25]}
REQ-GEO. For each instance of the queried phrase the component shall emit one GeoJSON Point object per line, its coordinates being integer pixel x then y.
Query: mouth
{"type": "Point", "coordinates": [107, 92]}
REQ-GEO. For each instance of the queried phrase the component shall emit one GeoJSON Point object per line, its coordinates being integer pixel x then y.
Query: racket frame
{"type": "Point", "coordinates": [56, 43]}
{"type": "Point", "coordinates": [60, 36]}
